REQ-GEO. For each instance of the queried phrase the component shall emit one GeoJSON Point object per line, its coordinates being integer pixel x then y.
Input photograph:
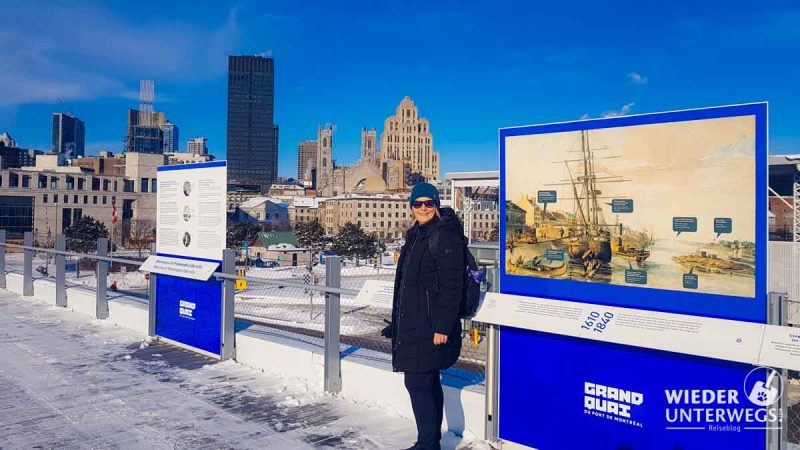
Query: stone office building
{"type": "Point", "coordinates": [49, 198]}
{"type": "Point", "coordinates": [385, 216]}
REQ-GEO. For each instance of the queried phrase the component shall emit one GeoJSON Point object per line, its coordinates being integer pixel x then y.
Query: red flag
{"type": "Point", "coordinates": [114, 213]}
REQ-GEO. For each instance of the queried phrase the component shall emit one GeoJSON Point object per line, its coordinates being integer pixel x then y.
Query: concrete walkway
{"type": "Point", "coordinates": [70, 382]}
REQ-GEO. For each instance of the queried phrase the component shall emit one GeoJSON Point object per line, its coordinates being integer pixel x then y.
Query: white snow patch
{"type": "Point", "coordinates": [288, 402]}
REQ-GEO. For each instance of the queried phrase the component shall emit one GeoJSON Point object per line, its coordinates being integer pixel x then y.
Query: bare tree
{"type": "Point", "coordinates": [142, 234]}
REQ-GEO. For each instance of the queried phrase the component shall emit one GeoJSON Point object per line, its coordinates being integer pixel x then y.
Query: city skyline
{"type": "Point", "coordinates": [470, 74]}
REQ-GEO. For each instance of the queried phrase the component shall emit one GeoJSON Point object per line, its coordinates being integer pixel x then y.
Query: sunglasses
{"type": "Point", "coordinates": [418, 204]}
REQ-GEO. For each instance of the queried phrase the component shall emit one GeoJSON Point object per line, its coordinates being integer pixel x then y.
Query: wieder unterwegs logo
{"type": "Point", "coordinates": [612, 403]}
{"type": "Point", "coordinates": [753, 406]}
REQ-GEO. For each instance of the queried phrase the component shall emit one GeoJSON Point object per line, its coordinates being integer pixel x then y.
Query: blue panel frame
{"type": "Point", "coordinates": [751, 309]}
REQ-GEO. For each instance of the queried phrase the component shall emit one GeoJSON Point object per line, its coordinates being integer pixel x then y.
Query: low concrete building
{"type": "Point", "coordinates": [304, 209]}
{"type": "Point", "coordinates": [265, 211]}
{"type": "Point", "coordinates": [240, 193]}
{"type": "Point", "coordinates": [279, 247]}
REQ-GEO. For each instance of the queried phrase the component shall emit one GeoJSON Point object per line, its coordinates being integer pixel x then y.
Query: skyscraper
{"type": "Point", "coordinates": [252, 134]}
{"type": "Point", "coordinates": [306, 159]}
{"type": "Point", "coordinates": [69, 135]}
{"type": "Point", "coordinates": [145, 126]}
{"type": "Point", "coordinates": [144, 132]}
{"type": "Point", "coordinates": [197, 146]}
{"type": "Point", "coordinates": [408, 137]}
{"type": "Point", "coordinates": [171, 137]}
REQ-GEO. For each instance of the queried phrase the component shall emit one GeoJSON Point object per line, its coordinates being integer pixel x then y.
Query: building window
{"type": "Point", "coordinates": [85, 199]}
{"type": "Point", "coordinates": [26, 181]}
{"type": "Point", "coordinates": [75, 199]}
{"type": "Point", "coordinates": [42, 181]}
{"type": "Point", "coordinates": [153, 185]}
{"type": "Point", "coordinates": [105, 200]}
{"type": "Point", "coordinates": [145, 184]}
{"type": "Point", "coordinates": [94, 199]}
{"type": "Point", "coordinates": [116, 188]}
{"type": "Point", "coordinates": [95, 184]}
{"type": "Point", "coordinates": [44, 198]}
{"type": "Point", "coordinates": [13, 179]}
{"type": "Point", "coordinates": [81, 184]}
{"type": "Point", "coordinates": [66, 199]}
{"type": "Point", "coordinates": [127, 185]}
{"type": "Point", "coordinates": [70, 183]}
{"type": "Point", "coordinates": [105, 184]}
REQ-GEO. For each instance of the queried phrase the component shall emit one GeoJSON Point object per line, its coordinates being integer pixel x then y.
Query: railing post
{"type": "Point", "coordinates": [228, 296]}
{"type": "Point", "coordinates": [777, 437]}
{"type": "Point", "coordinates": [27, 268]}
{"type": "Point", "coordinates": [151, 299]}
{"type": "Point", "coordinates": [61, 284]}
{"type": "Point", "coordinates": [2, 259]}
{"type": "Point", "coordinates": [101, 300]}
{"type": "Point", "coordinates": [333, 373]}
{"type": "Point", "coordinates": [492, 363]}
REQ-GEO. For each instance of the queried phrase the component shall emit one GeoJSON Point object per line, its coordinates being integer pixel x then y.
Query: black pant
{"type": "Point", "coordinates": [427, 401]}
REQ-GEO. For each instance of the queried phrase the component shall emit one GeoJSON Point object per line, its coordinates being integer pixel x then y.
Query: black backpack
{"type": "Point", "coordinates": [471, 288]}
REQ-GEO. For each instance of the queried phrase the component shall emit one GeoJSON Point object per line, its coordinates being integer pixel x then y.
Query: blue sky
{"type": "Point", "coordinates": [471, 67]}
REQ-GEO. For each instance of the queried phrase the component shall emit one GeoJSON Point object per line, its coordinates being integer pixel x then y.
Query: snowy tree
{"type": "Point", "coordinates": [352, 241]}
{"type": "Point", "coordinates": [82, 235]}
{"type": "Point", "coordinates": [311, 235]}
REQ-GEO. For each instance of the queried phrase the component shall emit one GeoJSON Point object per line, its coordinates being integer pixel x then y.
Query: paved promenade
{"type": "Point", "coordinates": [67, 381]}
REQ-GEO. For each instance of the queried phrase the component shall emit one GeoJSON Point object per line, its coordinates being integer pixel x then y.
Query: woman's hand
{"type": "Point", "coordinates": [439, 339]}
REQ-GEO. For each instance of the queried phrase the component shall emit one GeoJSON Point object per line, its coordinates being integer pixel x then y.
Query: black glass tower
{"type": "Point", "coordinates": [252, 134]}
{"type": "Point", "coordinates": [68, 135]}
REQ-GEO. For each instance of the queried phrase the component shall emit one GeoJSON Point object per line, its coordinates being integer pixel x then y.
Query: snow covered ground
{"type": "Point", "coordinates": [70, 382]}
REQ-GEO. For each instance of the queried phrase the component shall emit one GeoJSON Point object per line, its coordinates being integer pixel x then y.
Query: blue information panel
{"type": "Point", "coordinates": [641, 209]}
{"type": "Point", "coordinates": [190, 312]}
{"type": "Point", "coordinates": [562, 393]}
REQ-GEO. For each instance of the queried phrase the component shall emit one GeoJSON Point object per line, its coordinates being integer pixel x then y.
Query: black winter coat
{"type": "Point", "coordinates": [427, 296]}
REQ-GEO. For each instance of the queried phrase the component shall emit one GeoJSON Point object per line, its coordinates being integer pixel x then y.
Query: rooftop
{"type": "Point", "coordinates": [258, 201]}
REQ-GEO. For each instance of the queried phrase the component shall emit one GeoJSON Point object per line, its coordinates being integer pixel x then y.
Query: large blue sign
{"type": "Point", "coordinates": [190, 312]}
{"type": "Point", "coordinates": [560, 393]}
{"type": "Point", "coordinates": [644, 214]}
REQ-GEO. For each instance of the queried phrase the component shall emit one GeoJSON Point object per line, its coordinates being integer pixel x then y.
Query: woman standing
{"type": "Point", "coordinates": [425, 328]}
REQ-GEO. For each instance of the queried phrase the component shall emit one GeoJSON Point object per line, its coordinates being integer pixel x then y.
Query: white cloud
{"type": "Point", "coordinates": [637, 78]}
{"type": "Point", "coordinates": [84, 51]}
{"type": "Point", "coordinates": [266, 54]}
{"type": "Point", "coordinates": [624, 111]}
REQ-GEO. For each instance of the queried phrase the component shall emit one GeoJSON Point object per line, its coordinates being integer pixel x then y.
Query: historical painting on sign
{"type": "Point", "coordinates": [667, 205]}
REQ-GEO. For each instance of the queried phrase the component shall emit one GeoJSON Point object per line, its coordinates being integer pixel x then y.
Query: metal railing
{"type": "Point", "coordinates": [315, 304]}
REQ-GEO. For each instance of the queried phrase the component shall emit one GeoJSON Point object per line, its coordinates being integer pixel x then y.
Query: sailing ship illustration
{"type": "Point", "coordinates": [588, 241]}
